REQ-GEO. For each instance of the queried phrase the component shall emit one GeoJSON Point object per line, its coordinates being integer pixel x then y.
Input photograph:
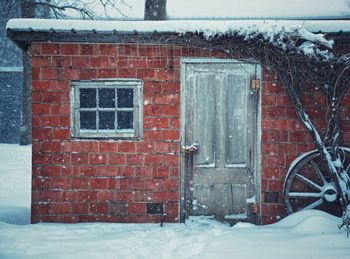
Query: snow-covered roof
{"type": "Point", "coordinates": [178, 26]}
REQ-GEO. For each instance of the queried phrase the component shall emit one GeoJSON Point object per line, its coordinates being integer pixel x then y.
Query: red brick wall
{"type": "Point", "coordinates": [79, 181]}
{"type": "Point", "coordinates": [284, 138]}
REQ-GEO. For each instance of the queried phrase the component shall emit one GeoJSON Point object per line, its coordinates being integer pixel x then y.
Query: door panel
{"type": "Point", "coordinates": [220, 116]}
{"type": "Point", "coordinates": [204, 129]}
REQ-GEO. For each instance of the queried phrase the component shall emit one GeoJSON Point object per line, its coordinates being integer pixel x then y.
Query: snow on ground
{"type": "Point", "coordinates": [310, 234]}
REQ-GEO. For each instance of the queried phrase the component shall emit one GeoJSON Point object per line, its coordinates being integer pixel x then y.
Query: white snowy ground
{"type": "Point", "coordinates": [310, 234]}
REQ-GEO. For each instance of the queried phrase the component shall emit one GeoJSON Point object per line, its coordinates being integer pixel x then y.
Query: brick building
{"type": "Point", "coordinates": [134, 125]}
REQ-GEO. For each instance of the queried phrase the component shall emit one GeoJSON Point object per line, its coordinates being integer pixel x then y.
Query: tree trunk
{"type": "Point", "coordinates": [155, 10]}
{"type": "Point", "coordinates": [27, 11]}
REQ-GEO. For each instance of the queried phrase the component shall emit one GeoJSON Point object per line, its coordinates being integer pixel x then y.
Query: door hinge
{"type": "Point", "coordinates": [255, 84]}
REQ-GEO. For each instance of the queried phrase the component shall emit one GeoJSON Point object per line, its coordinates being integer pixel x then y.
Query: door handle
{"type": "Point", "coordinates": [190, 149]}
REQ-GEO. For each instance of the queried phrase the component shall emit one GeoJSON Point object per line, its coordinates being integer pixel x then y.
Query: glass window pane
{"type": "Point", "coordinates": [125, 120]}
{"type": "Point", "coordinates": [125, 98]}
{"type": "Point", "coordinates": [106, 120]}
{"type": "Point", "coordinates": [88, 120]}
{"type": "Point", "coordinates": [87, 98]}
{"type": "Point", "coordinates": [106, 98]}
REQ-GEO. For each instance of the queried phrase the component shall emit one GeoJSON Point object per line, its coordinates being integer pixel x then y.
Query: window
{"type": "Point", "coordinates": [106, 108]}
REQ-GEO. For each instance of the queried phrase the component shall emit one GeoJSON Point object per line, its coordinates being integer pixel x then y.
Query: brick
{"type": "Point", "coordinates": [145, 74]}
{"type": "Point", "coordinates": [135, 184]}
{"type": "Point", "coordinates": [161, 123]}
{"type": "Point", "coordinates": [35, 73]}
{"type": "Point", "coordinates": [40, 134]}
{"type": "Point", "coordinates": [50, 48]}
{"type": "Point", "coordinates": [41, 61]}
{"type": "Point", "coordinates": [86, 49]}
{"type": "Point", "coordinates": [107, 73]}
{"type": "Point", "coordinates": [171, 159]}
{"type": "Point", "coordinates": [104, 195]}
{"type": "Point", "coordinates": [161, 172]}
{"type": "Point", "coordinates": [163, 147]}
{"type": "Point", "coordinates": [60, 61]}
{"type": "Point", "coordinates": [80, 62]}
{"type": "Point", "coordinates": [137, 208]}
{"type": "Point", "coordinates": [171, 110]}
{"type": "Point", "coordinates": [152, 110]}
{"type": "Point", "coordinates": [51, 171]}
{"type": "Point", "coordinates": [80, 159]}
{"type": "Point", "coordinates": [40, 209]}
{"type": "Point", "coordinates": [170, 134]}
{"type": "Point", "coordinates": [51, 146]}
{"type": "Point", "coordinates": [152, 135]}
{"type": "Point", "coordinates": [116, 159]}
{"type": "Point", "coordinates": [52, 97]}
{"type": "Point", "coordinates": [127, 73]}
{"type": "Point", "coordinates": [152, 87]}
{"type": "Point", "coordinates": [41, 158]}
{"type": "Point", "coordinates": [105, 171]}
{"type": "Point", "coordinates": [99, 62]}
{"type": "Point", "coordinates": [87, 196]}
{"type": "Point", "coordinates": [49, 73]}
{"type": "Point", "coordinates": [107, 146]}
{"type": "Point", "coordinates": [88, 146]}
{"type": "Point", "coordinates": [99, 208]}
{"type": "Point", "coordinates": [40, 85]}
{"type": "Point", "coordinates": [60, 208]}
{"type": "Point", "coordinates": [126, 171]}
{"type": "Point", "coordinates": [87, 73]}
{"type": "Point", "coordinates": [165, 75]}
{"type": "Point", "coordinates": [171, 184]}
{"type": "Point", "coordinates": [153, 159]}
{"type": "Point", "coordinates": [98, 183]}
{"type": "Point", "coordinates": [128, 147]}
{"type": "Point", "coordinates": [79, 183]}
{"type": "Point", "coordinates": [88, 171]}
{"type": "Point", "coordinates": [97, 159]}
{"type": "Point", "coordinates": [69, 49]}
{"type": "Point", "coordinates": [40, 109]}
{"type": "Point", "coordinates": [172, 87]}
{"type": "Point", "coordinates": [78, 208]}
{"type": "Point", "coordinates": [144, 147]}
{"type": "Point", "coordinates": [164, 196]}
{"type": "Point", "coordinates": [134, 159]}
{"type": "Point", "coordinates": [60, 134]}
{"type": "Point", "coordinates": [108, 49]}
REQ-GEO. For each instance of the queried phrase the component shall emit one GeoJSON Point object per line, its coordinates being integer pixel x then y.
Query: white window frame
{"type": "Point", "coordinates": [115, 83]}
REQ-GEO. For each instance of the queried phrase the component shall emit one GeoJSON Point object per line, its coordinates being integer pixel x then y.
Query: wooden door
{"type": "Point", "coordinates": [219, 114]}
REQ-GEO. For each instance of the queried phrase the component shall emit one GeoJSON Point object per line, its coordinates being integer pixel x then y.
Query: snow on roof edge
{"type": "Point", "coordinates": [179, 26]}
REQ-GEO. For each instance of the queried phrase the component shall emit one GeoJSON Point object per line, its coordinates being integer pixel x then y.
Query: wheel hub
{"type": "Point", "coordinates": [330, 193]}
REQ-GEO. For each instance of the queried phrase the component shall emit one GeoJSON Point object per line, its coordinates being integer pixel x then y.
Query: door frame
{"type": "Point", "coordinates": [184, 176]}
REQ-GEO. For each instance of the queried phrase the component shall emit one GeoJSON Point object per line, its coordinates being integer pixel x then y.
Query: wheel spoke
{"type": "Point", "coordinates": [305, 195]}
{"type": "Point", "coordinates": [314, 204]}
{"type": "Point", "coordinates": [308, 182]}
{"type": "Point", "coordinates": [318, 171]}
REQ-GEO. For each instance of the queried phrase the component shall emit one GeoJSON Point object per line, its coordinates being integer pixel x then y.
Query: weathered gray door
{"type": "Point", "coordinates": [219, 119]}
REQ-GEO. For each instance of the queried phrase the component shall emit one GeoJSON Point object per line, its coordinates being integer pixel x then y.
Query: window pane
{"type": "Point", "coordinates": [87, 98]}
{"type": "Point", "coordinates": [106, 98]}
{"type": "Point", "coordinates": [87, 120]}
{"type": "Point", "coordinates": [125, 120]}
{"type": "Point", "coordinates": [106, 120]}
{"type": "Point", "coordinates": [125, 98]}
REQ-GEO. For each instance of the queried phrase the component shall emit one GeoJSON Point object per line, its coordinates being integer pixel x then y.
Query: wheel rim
{"type": "Point", "coordinates": [309, 186]}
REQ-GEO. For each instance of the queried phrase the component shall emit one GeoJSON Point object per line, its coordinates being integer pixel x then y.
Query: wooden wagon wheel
{"type": "Point", "coordinates": [308, 184]}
